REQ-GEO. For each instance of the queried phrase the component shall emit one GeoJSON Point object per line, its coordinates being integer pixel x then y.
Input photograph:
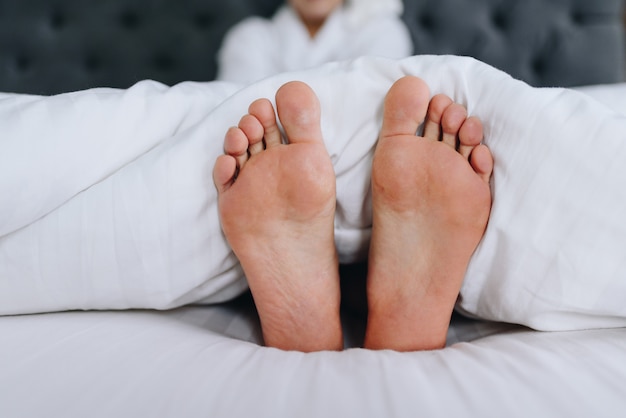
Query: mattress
{"type": "Point", "coordinates": [208, 361]}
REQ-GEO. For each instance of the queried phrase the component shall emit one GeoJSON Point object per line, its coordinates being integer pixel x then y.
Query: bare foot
{"type": "Point", "coordinates": [277, 207]}
{"type": "Point", "coordinates": [431, 201]}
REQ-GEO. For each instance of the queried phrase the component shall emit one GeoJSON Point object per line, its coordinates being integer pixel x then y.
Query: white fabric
{"type": "Point", "coordinates": [362, 11]}
{"type": "Point", "coordinates": [257, 48]}
{"type": "Point", "coordinates": [152, 364]}
{"type": "Point", "coordinates": [611, 95]}
{"type": "Point", "coordinates": [107, 199]}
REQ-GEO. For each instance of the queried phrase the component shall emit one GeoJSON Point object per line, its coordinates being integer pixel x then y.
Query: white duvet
{"type": "Point", "coordinates": [106, 198]}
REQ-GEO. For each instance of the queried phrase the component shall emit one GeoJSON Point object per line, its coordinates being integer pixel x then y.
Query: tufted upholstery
{"type": "Point", "coordinates": [52, 46]}
{"type": "Point", "coordinates": [544, 42]}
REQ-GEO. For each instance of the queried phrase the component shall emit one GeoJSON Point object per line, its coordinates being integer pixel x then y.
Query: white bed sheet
{"type": "Point", "coordinates": [175, 364]}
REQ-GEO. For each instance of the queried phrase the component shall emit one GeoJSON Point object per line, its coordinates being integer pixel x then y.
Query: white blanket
{"type": "Point", "coordinates": [108, 203]}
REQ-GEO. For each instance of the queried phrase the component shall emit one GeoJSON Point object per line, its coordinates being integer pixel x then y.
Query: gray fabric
{"type": "Point", "coordinates": [543, 42]}
{"type": "Point", "coordinates": [55, 46]}
{"type": "Point", "coordinates": [49, 47]}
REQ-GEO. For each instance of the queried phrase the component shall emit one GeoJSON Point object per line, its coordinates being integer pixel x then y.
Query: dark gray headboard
{"type": "Point", "coordinates": [52, 46]}
{"type": "Point", "coordinates": [543, 42]}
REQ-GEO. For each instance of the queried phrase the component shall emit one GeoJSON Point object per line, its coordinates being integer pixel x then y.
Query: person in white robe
{"type": "Point", "coordinates": [298, 38]}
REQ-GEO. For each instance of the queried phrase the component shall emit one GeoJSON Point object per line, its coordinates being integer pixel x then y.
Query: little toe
{"type": "Point", "coordinates": [470, 135]}
{"type": "Point", "coordinates": [263, 111]}
{"type": "Point", "coordinates": [436, 108]}
{"type": "Point", "coordinates": [224, 172]}
{"type": "Point", "coordinates": [451, 122]}
{"type": "Point", "coordinates": [405, 108]}
{"type": "Point", "coordinates": [481, 161]}
{"type": "Point", "coordinates": [299, 112]}
{"type": "Point", "coordinates": [236, 145]}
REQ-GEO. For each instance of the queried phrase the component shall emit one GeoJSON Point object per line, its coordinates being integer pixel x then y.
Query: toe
{"type": "Point", "coordinates": [405, 107]}
{"type": "Point", "coordinates": [451, 122]}
{"type": "Point", "coordinates": [236, 145]}
{"type": "Point", "coordinates": [481, 161]}
{"type": "Point", "coordinates": [436, 108]}
{"type": "Point", "coordinates": [470, 135]}
{"type": "Point", "coordinates": [253, 130]}
{"type": "Point", "coordinates": [263, 111]}
{"type": "Point", "coordinates": [299, 112]}
{"type": "Point", "coordinates": [224, 172]}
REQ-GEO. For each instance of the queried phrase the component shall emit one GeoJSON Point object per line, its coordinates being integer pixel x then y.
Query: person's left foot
{"type": "Point", "coordinates": [277, 208]}
{"type": "Point", "coordinates": [431, 203]}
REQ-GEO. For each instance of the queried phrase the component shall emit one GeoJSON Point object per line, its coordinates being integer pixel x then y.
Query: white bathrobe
{"type": "Point", "coordinates": [257, 48]}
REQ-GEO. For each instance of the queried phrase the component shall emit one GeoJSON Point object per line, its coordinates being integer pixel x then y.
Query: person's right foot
{"type": "Point", "coordinates": [431, 202]}
{"type": "Point", "coordinates": [277, 208]}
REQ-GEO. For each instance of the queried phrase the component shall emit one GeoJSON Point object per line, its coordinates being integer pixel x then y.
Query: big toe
{"type": "Point", "coordinates": [405, 107]}
{"type": "Point", "coordinates": [299, 112]}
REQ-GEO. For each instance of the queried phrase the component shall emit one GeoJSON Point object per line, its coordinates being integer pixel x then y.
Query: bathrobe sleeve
{"type": "Point", "coordinates": [244, 56]}
{"type": "Point", "coordinates": [385, 37]}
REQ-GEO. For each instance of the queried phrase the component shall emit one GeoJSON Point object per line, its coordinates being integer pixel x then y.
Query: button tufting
{"type": "Point", "coordinates": [22, 63]}
{"type": "Point", "coordinates": [203, 20]}
{"type": "Point", "coordinates": [426, 21]}
{"type": "Point", "coordinates": [538, 65]}
{"type": "Point", "coordinates": [58, 20]}
{"type": "Point", "coordinates": [578, 18]}
{"type": "Point", "coordinates": [500, 20]}
{"type": "Point", "coordinates": [163, 62]}
{"type": "Point", "coordinates": [130, 19]}
{"type": "Point", "coordinates": [92, 63]}
{"type": "Point", "coordinates": [116, 42]}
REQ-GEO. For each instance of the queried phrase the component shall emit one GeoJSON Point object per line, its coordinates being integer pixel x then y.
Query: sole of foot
{"type": "Point", "coordinates": [431, 204]}
{"type": "Point", "coordinates": [277, 204]}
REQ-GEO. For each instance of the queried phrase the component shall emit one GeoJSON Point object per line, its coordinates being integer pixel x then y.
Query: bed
{"type": "Point", "coordinates": [125, 357]}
